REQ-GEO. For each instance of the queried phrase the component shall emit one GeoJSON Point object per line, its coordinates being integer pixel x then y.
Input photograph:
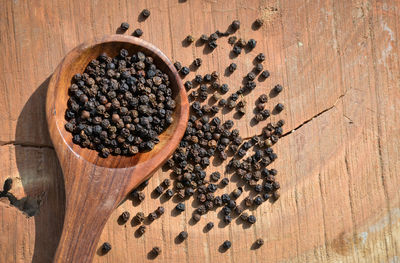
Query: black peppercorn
{"type": "Point", "coordinates": [251, 43]}
{"type": "Point", "coordinates": [278, 88]}
{"type": "Point", "coordinates": [227, 244]}
{"type": "Point", "coordinates": [259, 242]}
{"type": "Point", "coordinates": [197, 62]}
{"type": "Point", "coordinates": [224, 88]}
{"type": "Point", "coordinates": [124, 26]}
{"type": "Point", "coordinates": [138, 32]}
{"type": "Point", "coordinates": [145, 13]}
{"type": "Point", "coordinates": [251, 219]}
{"type": "Point", "coordinates": [212, 44]}
{"type": "Point", "coordinates": [204, 38]}
{"type": "Point", "coordinates": [184, 71]}
{"type": "Point", "coordinates": [259, 67]}
{"type": "Point", "coordinates": [180, 207]}
{"type": "Point", "coordinates": [258, 23]}
{"type": "Point", "coordinates": [232, 40]}
{"type": "Point", "coordinates": [209, 226]}
{"type": "Point", "coordinates": [106, 247]}
{"type": "Point", "coordinates": [178, 65]}
{"type": "Point", "coordinates": [189, 39]}
{"type": "Point", "coordinates": [125, 216]}
{"type": "Point", "coordinates": [156, 251]}
{"type": "Point", "coordinates": [169, 193]}
{"type": "Point", "coordinates": [183, 235]}
{"type": "Point", "coordinates": [237, 50]}
{"type": "Point", "coordinates": [265, 74]}
{"type": "Point", "coordinates": [279, 107]}
{"type": "Point", "coordinates": [232, 67]}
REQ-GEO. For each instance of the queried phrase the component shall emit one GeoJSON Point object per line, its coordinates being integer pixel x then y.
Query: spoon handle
{"type": "Point", "coordinates": [92, 193]}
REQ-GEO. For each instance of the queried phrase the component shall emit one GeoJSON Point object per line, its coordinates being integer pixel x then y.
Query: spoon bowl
{"type": "Point", "coordinates": [94, 186]}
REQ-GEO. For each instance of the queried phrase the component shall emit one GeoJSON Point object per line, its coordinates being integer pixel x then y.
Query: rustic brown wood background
{"type": "Point", "coordinates": [339, 169]}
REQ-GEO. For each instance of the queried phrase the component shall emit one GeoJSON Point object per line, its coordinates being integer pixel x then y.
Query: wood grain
{"type": "Point", "coordinates": [339, 168]}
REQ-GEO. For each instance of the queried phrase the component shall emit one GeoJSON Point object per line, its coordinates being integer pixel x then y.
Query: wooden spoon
{"type": "Point", "coordinates": [95, 186]}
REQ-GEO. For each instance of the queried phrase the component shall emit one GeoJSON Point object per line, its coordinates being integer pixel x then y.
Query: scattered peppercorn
{"type": "Point", "coordinates": [156, 251]}
{"type": "Point", "coordinates": [189, 39]}
{"type": "Point", "coordinates": [278, 88]}
{"type": "Point", "coordinates": [251, 43]}
{"type": "Point", "coordinates": [251, 219]}
{"type": "Point", "coordinates": [106, 247]}
{"type": "Point", "coordinates": [259, 242]}
{"type": "Point", "coordinates": [183, 235]}
{"type": "Point", "coordinates": [185, 71]}
{"type": "Point", "coordinates": [124, 26]}
{"type": "Point", "coordinates": [279, 107]}
{"type": "Point", "coordinates": [142, 229]}
{"type": "Point", "coordinates": [180, 207]}
{"type": "Point", "coordinates": [237, 50]}
{"type": "Point", "coordinates": [235, 25]}
{"type": "Point", "coordinates": [138, 32]}
{"type": "Point", "coordinates": [178, 65]}
{"type": "Point", "coordinates": [197, 62]}
{"type": "Point", "coordinates": [265, 74]}
{"type": "Point", "coordinates": [227, 244]}
{"type": "Point", "coordinates": [145, 13]}
{"type": "Point", "coordinates": [232, 67]}
{"type": "Point", "coordinates": [204, 38]}
{"type": "Point", "coordinates": [125, 216]}
{"type": "Point", "coordinates": [258, 23]}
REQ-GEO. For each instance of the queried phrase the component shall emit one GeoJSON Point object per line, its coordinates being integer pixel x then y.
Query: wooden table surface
{"type": "Point", "coordinates": [338, 61]}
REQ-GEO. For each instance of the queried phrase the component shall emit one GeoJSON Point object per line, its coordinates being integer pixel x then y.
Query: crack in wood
{"type": "Point", "coordinates": [24, 144]}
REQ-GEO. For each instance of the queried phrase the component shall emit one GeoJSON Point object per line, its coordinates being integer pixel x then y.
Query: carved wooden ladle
{"type": "Point", "coordinates": [95, 186]}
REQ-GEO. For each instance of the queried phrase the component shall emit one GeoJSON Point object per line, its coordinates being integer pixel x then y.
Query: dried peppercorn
{"type": "Point", "coordinates": [232, 67]}
{"type": "Point", "coordinates": [260, 57]}
{"type": "Point", "coordinates": [244, 216]}
{"type": "Point", "coordinates": [258, 22]}
{"type": "Point", "coordinates": [237, 50]}
{"type": "Point", "coordinates": [159, 189]}
{"type": "Point", "coordinates": [178, 65]}
{"type": "Point", "coordinates": [265, 74]}
{"type": "Point", "coordinates": [224, 88]}
{"type": "Point", "coordinates": [222, 103]}
{"type": "Point", "coordinates": [189, 39]}
{"type": "Point", "coordinates": [169, 193]}
{"type": "Point", "coordinates": [259, 242]}
{"type": "Point", "coordinates": [251, 219]}
{"type": "Point", "coordinates": [180, 207]}
{"type": "Point", "coordinates": [196, 217]}
{"type": "Point", "coordinates": [152, 216]}
{"type": "Point", "coordinates": [278, 88]}
{"type": "Point", "coordinates": [227, 244]}
{"type": "Point", "coordinates": [259, 67]}
{"type": "Point", "coordinates": [213, 37]}
{"type": "Point", "coordinates": [209, 226]}
{"type": "Point", "coordinates": [197, 62]}
{"type": "Point", "coordinates": [241, 43]}
{"type": "Point", "coordinates": [138, 32]}
{"type": "Point", "coordinates": [124, 26]}
{"type": "Point", "coordinates": [139, 217]}
{"type": "Point", "coordinates": [232, 40]}
{"type": "Point", "coordinates": [225, 181]}
{"type": "Point", "coordinates": [237, 192]}
{"type": "Point", "coordinates": [156, 251]}
{"type": "Point", "coordinates": [141, 230]}
{"type": "Point", "coordinates": [145, 13]}
{"type": "Point", "coordinates": [183, 235]}
{"type": "Point", "coordinates": [185, 71]}
{"type": "Point", "coordinates": [235, 25]}
{"type": "Point", "coordinates": [251, 43]}
{"type": "Point", "coordinates": [279, 107]}
{"type": "Point", "coordinates": [166, 182]}
{"type": "Point", "coordinates": [204, 38]}
{"type": "Point", "coordinates": [125, 216]}
{"type": "Point", "coordinates": [215, 75]}
{"type": "Point", "coordinates": [258, 200]}
{"type": "Point", "coordinates": [227, 219]}
{"type": "Point", "coordinates": [212, 44]}
{"type": "Point", "coordinates": [106, 247]}
{"type": "Point", "coordinates": [160, 210]}
{"type": "Point", "coordinates": [238, 209]}
{"type": "Point", "coordinates": [251, 76]}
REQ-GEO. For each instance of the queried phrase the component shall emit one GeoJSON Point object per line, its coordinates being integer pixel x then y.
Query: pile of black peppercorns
{"type": "Point", "coordinates": [119, 105]}
{"type": "Point", "coordinates": [207, 138]}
